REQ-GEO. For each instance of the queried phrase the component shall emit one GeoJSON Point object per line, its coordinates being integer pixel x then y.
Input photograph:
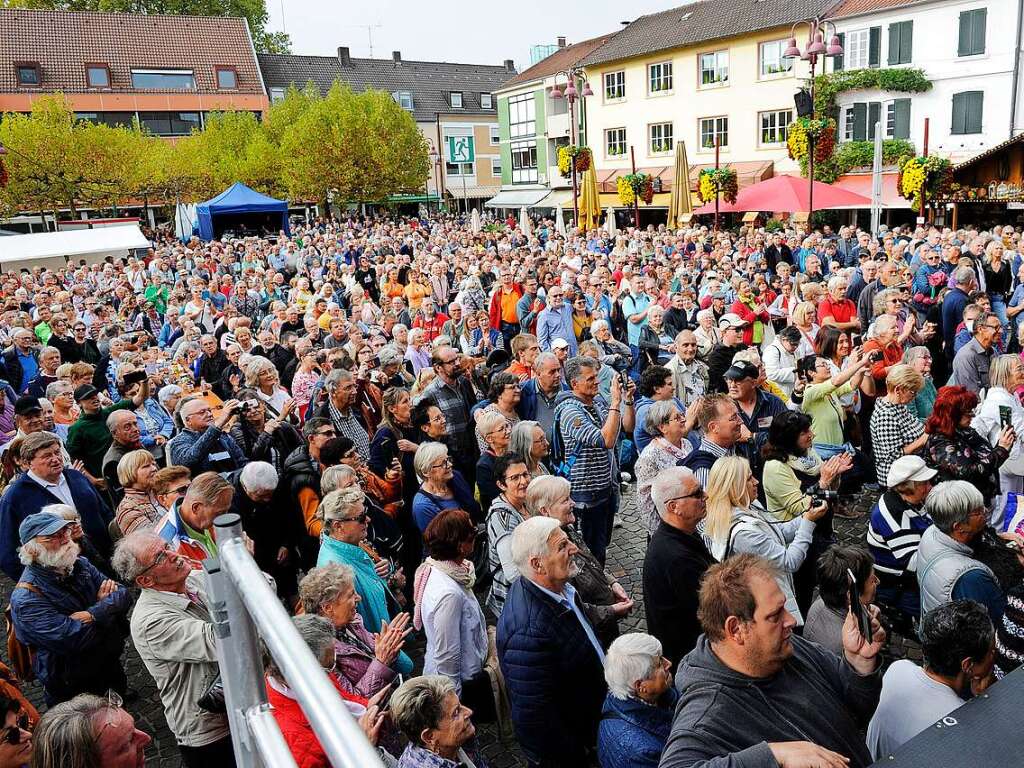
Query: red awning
{"type": "Point", "coordinates": [789, 194]}
{"type": "Point", "coordinates": [861, 184]}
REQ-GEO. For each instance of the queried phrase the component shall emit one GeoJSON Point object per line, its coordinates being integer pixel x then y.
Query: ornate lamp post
{"type": "Point", "coordinates": [572, 94]}
{"type": "Point", "coordinates": [814, 50]}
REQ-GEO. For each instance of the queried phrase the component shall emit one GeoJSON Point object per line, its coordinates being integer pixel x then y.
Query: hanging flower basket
{"type": "Point", "coordinates": [932, 175]}
{"type": "Point", "coordinates": [570, 155]}
{"type": "Point", "coordinates": [801, 130]}
{"type": "Point", "coordinates": [717, 181]}
{"type": "Point", "coordinates": [635, 185]}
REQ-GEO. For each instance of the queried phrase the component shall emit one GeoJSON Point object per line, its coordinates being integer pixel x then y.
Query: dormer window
{"type": "Point", "coordinates": [456, 99]}
{"type": "Point", "coordinates": [227, 78]}
{"type": "Point", "coordinates": [28, 73]}
{"type": "Point", "coordinates": [485, 101]}
{"type": "Point", "coordinates": [97, 75]}
{"type": "Point", "coordinates": [403, 99]}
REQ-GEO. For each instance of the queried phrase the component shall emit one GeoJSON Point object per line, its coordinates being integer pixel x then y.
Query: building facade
{"type": "Point", "coordinates": [454, 106]}
{"type": "Point", "coordinates": [167, 72]}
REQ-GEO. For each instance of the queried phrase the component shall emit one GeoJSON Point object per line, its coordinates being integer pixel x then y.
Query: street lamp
{"type": "Point", "coordinates": [570, 92]}
{"type": "Point", "coordinates": [814, 50]}
{"type": "Point", "coordinates": [435, 159]}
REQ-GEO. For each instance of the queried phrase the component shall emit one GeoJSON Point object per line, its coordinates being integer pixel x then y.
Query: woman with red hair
{"type": "Point", "coordinates": [956, 450]}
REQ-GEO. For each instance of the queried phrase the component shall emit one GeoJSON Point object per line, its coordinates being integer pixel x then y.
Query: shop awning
{"type": "Point", "coordinates": [472, 190]}
{"type": "Point", "coordinates": [517, 198]}
{"type": "Point", "coordinates": [413, 198]}
{"type": "Point", "coordinates": [555, 198]}
{"type": "Point", "coordinates": [861, 184]}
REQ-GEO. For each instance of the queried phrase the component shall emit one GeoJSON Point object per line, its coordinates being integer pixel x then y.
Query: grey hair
{"type": "Point", "coordinates": [67, 734]}
{"type": "Point", "coordinates": [964, 276]}
{"type": "Point", "coordinates": [1000, 372]}
{"type": "Point", "coordinates": [316, 632]}
{"type": "Point", "coordinates": [658, 415]}
{"type": "Point", "coordinates": [116, 416]}
{"type": "Point", "coordinates": [630, 659]}
{"type": "Point", "coordinates": [56, 389]}
{"type": "Point", "coordinates": [881, 299]}
{"type": "Point", "coordinates": [530, 539]}
{"type": "Point", "coordinates": [835, 281]}
{"type": "Point", "coordinates": [575, 366]}
{"type": "Point", "coordinates": [952, 502]}
{"type": "Point", "coordinates": [322, 585]}
{"type": "Point", "coordinates": [667, 484]}
{"type": "Point", "coordinates": [167, 392]}
{"type": "Point", "coordinates": [547, 357]}
{"type": "Point", "coordinates": [332, 477]}
{"type": "Point", "coordinates": [521, 441]}
{"type": "Point", "coordinates": [258, 476]}
{"type": "Point", "coordinates": [914, 354]}
{"type": "Point", "coordinates": [61, 510]}
{"type": "Point", "coordinates": [336, 504]}
{"type": "Point", "coordinates": [127, 551]}
{"type": "Point", "coordinates": [417, 705]}
{"type": "Point", "coordinates": [544, 491]}
{"type": "Point", "coordinates": [490, 421]}
{"type": "Point", "coordinates": [254, 367]}
{"type": "Point", "coordinates": [336, 377]}
{"type": "Point", "coordinates": [426, 455]}
{"type": "Point", "coordinates": [599, 325]}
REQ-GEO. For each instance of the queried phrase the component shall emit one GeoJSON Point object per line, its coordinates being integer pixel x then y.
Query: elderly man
{"type": "Point", "coordinates": [538, 394]}
{"type": "Point", "coordinates": [965, 282]}
{"type": "Point", "coordinates": [48, 481]}
{"type": "Point", "coordinates": [836, 310]}
{"type": "Point", "coordinates": [454, 395]}
{"type": "Point", "coordinates": [174, 634]}
{"type": "Point", "coordinates": [555, 321]}
{"type": "Point", "coordinates": [49, 361]}
{"type": "Point", "coordinates": [946, 566]}
{"type": "Point", "coordinates": [347, 418]}
{"type": "Point", "coordinates": [690, 377]}
{"type": "Point", "coordinates": [188, 525]}
{"type": "Point", "coordinates": [21, 362]}
{"type": "Point", "coordinates": [748, 661]}
{"type": "Point", "coordinates": [971, 363]}
{"type": "Point", "coordinates": [88, 730]}
{"type": "Point", "coordinates": [429, 319]}
{"type": "Point", "coordinates": [68, 613]}
{"type": "Point", "coordinates": [124, 429]}
{"type": "Point", "coordinates": [213, 361]}
{"type": "Point", "coordinates": [89, 437]}
{"type": "Point", "coordinates": [721, 429]}
{"type": "Point", "coordinates": [888, 276]}
{"type": "Point", "coordinates": [204, 445]}
{"type": "Point", "coordinates": [503, 309]}
{"type": "Point", "coordinates": [273, 535]}
{"type": "Point", "coordinates": [731, 327]}
{"type": "Point", "coordinates": [548, 651]}
{"type": "Point", "coordinates": [675, 563]}
{"type": "Point", "coordinates": [894, 532]}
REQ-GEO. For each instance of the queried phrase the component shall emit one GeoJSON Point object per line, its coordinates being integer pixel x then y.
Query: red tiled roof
{"type": "Point", "coordinates": [559, 60]}
{"type": "Point", "coordinates": [63, 42]}
{"type": "Point", "coordinates": [858, 7]}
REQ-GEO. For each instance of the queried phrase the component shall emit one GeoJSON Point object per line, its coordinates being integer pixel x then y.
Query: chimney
{"type": "Point", "coordinates": [343, 56]}
{"type": "Point", "coordinates": [510, 66]}
{"type": "Point", "coordinates": [396, 56]}
{"type": "Point", "coordinates": [561, 41]}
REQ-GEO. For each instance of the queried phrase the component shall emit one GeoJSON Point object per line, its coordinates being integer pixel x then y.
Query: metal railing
{"type": "Point", "coordinates": [244, 609]}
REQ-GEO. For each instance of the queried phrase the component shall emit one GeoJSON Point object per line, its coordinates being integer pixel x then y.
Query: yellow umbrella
{"type": "Point", "coordinates": [589, 200]}
{"type": "Point", "coordinates": [680, 204]}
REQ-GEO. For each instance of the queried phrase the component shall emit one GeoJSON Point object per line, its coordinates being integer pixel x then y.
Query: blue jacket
{"type": "Point", "coordinates": [633, 733]}
{"type": "Point", "coordinates": [952, 315]}
{"type": "Point", "coordinates": [527, 408]}
{"type": "Point", "coordinates": [426, 506]}
{"type": "Point", "coordinates": [555, 678]}
{"type": "Point", "coordinates": [70, 655]}
{"type": "Point", "coordinates": [156, 412]}
{"type": "Point", "coordinates": [197, 451]}
{"type": "Point", "coordinates": [25, 496]}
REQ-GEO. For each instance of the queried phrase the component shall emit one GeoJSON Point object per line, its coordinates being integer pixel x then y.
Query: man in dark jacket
{"type": "Point", "coordinates": [731, 328]}
{"type": "Point", "coordinates": [214, 360]}
{"type": "Point", "coordinates": [676, 560]}
{"type": "Point", "coordinates": [549, 653]}
{"type": "Point", "coordinates": [301, 481]}
{"type": "Point", "coordinates": [21, 362]}
{"type": "Point", "coordinates": [749, 662]}
{"type": "Point", "coordinates": [964, 283]}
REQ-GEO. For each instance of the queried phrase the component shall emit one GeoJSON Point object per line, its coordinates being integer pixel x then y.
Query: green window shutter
{"type": "Point", "coordinates": [959, 122]}
{"type": "Point", "coordinates": [902, 109]}
{"type": "Point", "coordinates": [906, 42]}
{"type": "Point", "coordinates": [837, 61]}
{"type": "Point", "coordinates": [964, 44]}
{"type": "Point", "coordinates": [975, 107]}
{"type": "Point", "coordinates": [874, 114]}
{"type": "Point", "coordinates": [874, 46]}
{"type": "Point", "coordinates": [978, 30]}
{"type": "Point", "coordinates": [860, 121]}
{"type": "Point", "coordinates": [894, 42]}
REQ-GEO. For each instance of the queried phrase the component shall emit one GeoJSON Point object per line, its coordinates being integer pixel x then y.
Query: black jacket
{"type": "Point", "coordinates": [675, 563]}
{"type": "Point", "coordinates": [274, 448]}
{"type": "Point", "coordinates": [719, 360]}
{"type": "Point", "coordinates": [270, 528]}
{"type": "Point", "coordinates": [212, 368]}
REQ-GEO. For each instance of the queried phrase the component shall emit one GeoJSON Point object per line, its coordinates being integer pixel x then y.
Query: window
{"type": "Point", "coordinates": [113, 119]}
{"type": "Point", "coordinates": [458, 169]}
{"type": "Point", "coordinates": [456, 99]}
{"type": "Point", "coordinates": [486, 101]}
{"type": "Point", "coordinates": [403, 99]}
{"type": "Point", "coordinates": [28, 74]}
{"type": "Point", "coordinates": [972, 32]}
{"type": "Point", "coordinates": [495, 136]}
{"type": "Point", "coordinates": [614, 85]}
{"type": "Point", "coordinates": [615, 142]}
{"type": "Point", "coordinates": [524, 162]}
{"type": "Point", "coordinates": [856, 49]}
{"type": "Point", "coordinates": [967, 111]}
{"type": "Point", "coordinates": [659, 77]}
{"type": "Point", "coordinates": [897, 119]}
{"type": "Point", "coordinates": [712, 128]}
{"type": "Point", "coordinates": [276, 94]}
{"type": "Point", "coordinates": [227, 78]}
{"type": "Point", "coordinates": [858, 120]}
{"type": "Point", "coordinates": [170, 123]}
{"type": "Point", "coordinates": [771, 61]}
{"type": "Point", "coordinates": [558, 106]}
{"type": "Point", "coordinates": [97, 75]}
{"type": "Point", "coordinates": [522, 117]}
{"type": "Point", "coordinates": [714, 68]}
{"type": "Point", "coordinates": [775, 126]}
{"type": "Point", "coordinates": [154, 79]}
{"type": "Point", "coordinates": [660, 135]}
{"type": "Point", "coordinates": [901, 42]}
{"type": "Point", "coordinates": [495, 166]}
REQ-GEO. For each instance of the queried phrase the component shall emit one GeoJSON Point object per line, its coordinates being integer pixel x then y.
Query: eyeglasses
{"type": "Point", "coordinates": [114, 704]}
{"type": "Point", "coordinates": [357, 519]}
{"type": "Point", "coordinates": [698, 494]}
{"type": "Point", "coordinates": [993, 327]}
{"type": "Point", "coordinates": [160, 558]}
{"type": "Point", "coordinates": [441, 464]}
{"type": "Point", "coordinates": [325, 433]}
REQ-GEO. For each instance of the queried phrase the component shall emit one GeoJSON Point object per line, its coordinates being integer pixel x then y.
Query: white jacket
{"type": "Point", "coordinates": [987, 424]}
{"type": "Point", "coordinates": [780, 366]}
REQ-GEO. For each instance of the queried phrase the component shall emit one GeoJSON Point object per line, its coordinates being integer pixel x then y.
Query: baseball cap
{"type": "Point", "coordinates": [41, 524]}
{"type": "Point", "coordinates": [84, 392]}
{"type": "Point", "coordinates": [908, 468]}
{"type": "Point", "coordinates": [26, 405]}
{"type": "Point", "coordinates": [742, 370]}
{"type": "Point", "coordinates": [729, 320]}
{"type": "Point", "coordinates": [560, 344]}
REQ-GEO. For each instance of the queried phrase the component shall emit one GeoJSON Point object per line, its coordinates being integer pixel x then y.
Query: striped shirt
{"type": "Point", "coordinates": [893, 535]}
{"type": "Point", "coordinates": [580, 429]}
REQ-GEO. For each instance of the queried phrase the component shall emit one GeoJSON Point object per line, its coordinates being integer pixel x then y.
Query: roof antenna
{"type": "Point", "coordinates": [369, 32]}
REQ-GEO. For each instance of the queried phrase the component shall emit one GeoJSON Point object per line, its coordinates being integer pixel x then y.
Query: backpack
{"type": "Point", "coordinates": [21, 655]}
{"type": "Point", "coordinates": [561, 465]}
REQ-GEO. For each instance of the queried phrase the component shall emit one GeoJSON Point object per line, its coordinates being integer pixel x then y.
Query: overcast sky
{"type": "Point", "coordinates": [449, 30]}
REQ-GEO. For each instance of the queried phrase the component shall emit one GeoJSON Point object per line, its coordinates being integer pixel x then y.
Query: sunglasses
{"type": "Point", "coordinates": [358, 519]}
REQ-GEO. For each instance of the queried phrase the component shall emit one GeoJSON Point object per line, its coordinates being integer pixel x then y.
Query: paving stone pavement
{"type": "Point", "coordinates": [625, 561]}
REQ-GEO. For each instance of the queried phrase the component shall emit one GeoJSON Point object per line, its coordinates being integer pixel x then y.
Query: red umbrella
{"type": "Point", "coordinates": [788, 194]}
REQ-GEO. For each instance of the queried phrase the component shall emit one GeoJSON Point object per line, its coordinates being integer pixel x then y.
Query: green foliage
{"type": "Point", "coordinates": [830, 85]}
{"type": "Point", "coordinates": [774, 225]}
{"type": "Point", "coordinates": [857, 154]}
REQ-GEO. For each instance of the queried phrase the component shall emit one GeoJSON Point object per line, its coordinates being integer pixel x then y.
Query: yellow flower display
{"type": "Point", "coordinates": [565, 160]}
{"type": "Point", "coordinates": [626, 194]}
{"type": "Point", "coordinates": [706, 187]}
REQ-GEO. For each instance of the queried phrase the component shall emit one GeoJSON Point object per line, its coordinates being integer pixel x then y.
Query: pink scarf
{"type": "Point", "coordinates": [462, 574]}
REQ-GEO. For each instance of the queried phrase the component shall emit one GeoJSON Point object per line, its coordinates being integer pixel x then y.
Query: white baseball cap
{"type": "Point", "coordinates": [908, 468]}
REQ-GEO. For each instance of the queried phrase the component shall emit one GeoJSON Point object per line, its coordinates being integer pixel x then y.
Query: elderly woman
{"type": "Point", "coordinates": [920, 359]}
{"type": "Point", "coordinates": [264, 438]}
{"type": "Point", "coordinates": [442, 486]}
{"type": "Point", "coordinates": [804, 319]}
{"type": "Point", "coordinates": [345, 527]}
{"type": "Point", "coordinates": [496, 430]}
{"type": "Point", "coordinates": [655, 343]}
{"type": "Point", "coordinates": [529, 441]}
{"type": "Point", "coordinates": [262, 376]}
{"type": "Point", "coordinates": [663, 419]}
{"type": "Point", "coordinates": [417, 356]}
{"type": "Point", "coordinates": [959, 452]}
{"type": "Point", "coordinates": [139, 508]}
{"type": "Point", "coordinates": [886, 342]}
{"type": "Point", "coordinates": [895, 431]}
{"type": "Point", "coordinates": [439, 727]}
{"type": "Point", "coordinates": [707, 333]}
{"type": "Point", "coordinates": [1005, 375]}
{"type": "Point", "coordinates": [504, 393]}
{"type": "Point", "coordinates": [604, 599]}
{"type": "Point", "coordinates": [637, 714]}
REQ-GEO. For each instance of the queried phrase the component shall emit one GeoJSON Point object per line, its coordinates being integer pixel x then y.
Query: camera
{"type": "Point", "coordinates": [821, 496]}
{"type": "Point", "coordinates": [248, 406]}
{"type": "Point", "coordinates": [875, 356]}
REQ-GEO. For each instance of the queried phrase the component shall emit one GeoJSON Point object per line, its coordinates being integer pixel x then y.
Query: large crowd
{"type": "Point", "coordinates": [427, 431]}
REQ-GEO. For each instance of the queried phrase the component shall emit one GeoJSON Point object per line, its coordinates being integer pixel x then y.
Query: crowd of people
{"type": "Point", "coordinates": [427, 433]}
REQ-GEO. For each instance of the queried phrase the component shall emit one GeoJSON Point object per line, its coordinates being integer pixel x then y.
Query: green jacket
{"type": "Point", "coordinates": [89, 438]}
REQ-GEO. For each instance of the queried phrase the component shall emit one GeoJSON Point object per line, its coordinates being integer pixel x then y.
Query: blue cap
{"type": "Point", "coordinates": [41, 524]}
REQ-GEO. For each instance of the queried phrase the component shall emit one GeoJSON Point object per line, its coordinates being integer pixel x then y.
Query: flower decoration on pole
{"type": "Point", "coordinates": [570, 155]}
{"type": "Point", "coordinates": [635, 185]}
{"type": "Point", "coordinates": [717, 181]}
{"type": "Point", "coordinates": [803, 129]}
{"type": "Point", "coordinates": [931, 176]}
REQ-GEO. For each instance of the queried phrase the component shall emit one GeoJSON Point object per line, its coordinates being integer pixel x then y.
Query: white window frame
{"type": "Point", "coordinates": [661, 76]}
{"type": "Point", "coordinates": [857, 48]}
{"type": "Point", "coordinates": [888, 113]}
{"type": "Point", "coordinates": [717, 67]}
{"type": "Point", "coordinates": [616, 82]}
{"type": "Point", "coordinates": [496, 166]}
{"type": "Point", "coordinates": [461, 170]}
{"type": "Point", "coordinates": [495, 135]}
{"type": "Point", "coordinates": [662, 136]}
{"type": "Point", "coordinates": [781, 61]}
{"type": "Point", "coordinates": [719, 126]}
{"type": "Point", "coordinates": [401, 97]}
{"type": "Point", "coordinates": [486, 101]}
{"type": "Point", "coordinates": [522, 111]}
{"type": "Point", "coordinates": [618, 137]}
{"type": "Point", "coordinates": [525, 174]}
{"type": "Point", "coordinates": [276, 95]}
{"type": "Point", "coordinates": [781, 133]}
{"type": "Point", "coordinates": [455, 99]}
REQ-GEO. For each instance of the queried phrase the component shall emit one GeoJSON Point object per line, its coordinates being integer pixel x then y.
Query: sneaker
{"type": "Point", "coordinates": [617, 522]}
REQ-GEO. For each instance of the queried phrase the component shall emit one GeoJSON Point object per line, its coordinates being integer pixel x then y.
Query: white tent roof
{"type": "Point", "coordinates": [89, 244]}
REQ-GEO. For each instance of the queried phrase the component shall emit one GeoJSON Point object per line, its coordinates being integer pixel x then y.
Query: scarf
{"type": "Point", "coordinates": [758, 326]}
{"type": "Point", "coordinates": [807, 465]}
{"type": "Point", "coordinates": [463, 574]}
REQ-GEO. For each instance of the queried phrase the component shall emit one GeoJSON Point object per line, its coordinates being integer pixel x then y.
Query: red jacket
{"type": "Point", "coordinates": [431, 328]}
{"type": "Point", "coordinates": [749, 316]}
{"type": "Point", "coordinates": [494, 311]}
{"type": "Point", "coordinates": [298, 733]}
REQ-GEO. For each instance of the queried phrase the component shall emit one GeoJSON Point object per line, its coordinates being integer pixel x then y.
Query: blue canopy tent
{"type": "Point", "coordinates": [243, 211]}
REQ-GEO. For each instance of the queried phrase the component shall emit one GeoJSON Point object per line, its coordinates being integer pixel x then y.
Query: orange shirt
{"type": "Point", "coordinates": [509, 299]}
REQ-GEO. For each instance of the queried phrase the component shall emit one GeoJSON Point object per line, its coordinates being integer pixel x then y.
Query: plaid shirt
{"type": "Point", "coordinates": [452, 402]}
{"type": "Point", "coordinates": [892, 427]}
